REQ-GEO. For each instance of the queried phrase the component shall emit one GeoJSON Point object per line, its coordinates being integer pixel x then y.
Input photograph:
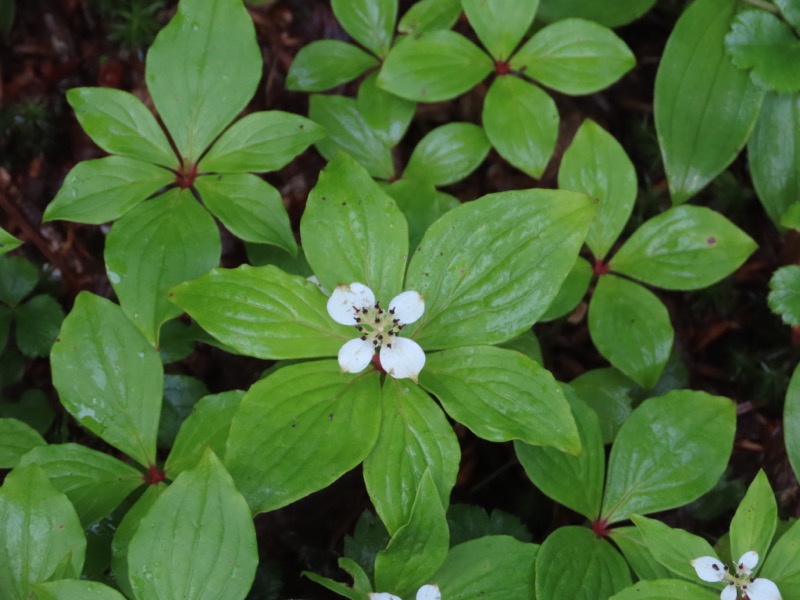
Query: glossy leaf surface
{"type": "Point", "coordinates": [673, 548]}
{"type": "Point", "coordinates": [202, 70]}
{"type": "Point", "coordinates": [96, 191]}
{"type": "Point", "coordinates": [212, 550]}
{"type": "Point", "coordinates": [120, 123]}
{"type": "Point", "coordinates": [488, 269]}
{"type": "Point", "coordinates": [75, 589]}
{"type": "Point", "coordinates": [665, 589]}
{"type": "Point", "coordinates": [414, 438]}
{"type": "Point", "coordinates": [369, 22]}
{"type": "Point", "coordinates": [684, 248]}
{"type": "Point", "coordinates": [7, 242]}
{"type": "Point", "coordinates": [263, 312]}
{"type": "Point", "coordinates": [154, 247]}
{"type": "Point", "coordinates": [448, 154]}
{"type": "Point", "coordinates": [434, 66]}
{"type": "Point", "coordinates": [269, 454]}
{"type": "Point", "coordinates": [324, 64]}
{"type": "Point", "coordinates": [671, 450]}
{"type": "Point", "coordinates": [781, 566]}
{"type": "Point", "coordinates": [16, 439]}
{"type": "Point", "coordinates": [249, 207]}
{"type": "Point", "coordinates": [598, 166]}
{"type": "Point", "coordinates": [521, 121]}
{"type": "Point", "coordinates": [501, 395]}
{"type": "Point", "coordinates": [354, 232]}
{"type": "Point", "coordinates": [571, 292]}
{"type": "Point", "coordinates": [500, 24]}
{"type": "Point", "coordinates": [644, 565]}
{"type": "Point", "coordinates": [630, 327]}
{"type": "Point", "coordinates": [755, 520]}
{"type": "Point", "coordinates": [262, 141]}
{"type": "Point", "coordinates": [109, 377]}
{"type": "Point", "coordinates": [386, 114]}
{"type": "Point", "coordinates": [430, 15]}
{"type": "Point", "coordinates": [574, 56]}
{"type": "Point", "coordinates": [705, 107]}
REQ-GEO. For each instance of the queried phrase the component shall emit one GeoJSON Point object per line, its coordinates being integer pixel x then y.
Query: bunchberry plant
{"type": "Point", "coordinates": [202, 70]}
{"type": "Point", "coordinates": [7, 242]}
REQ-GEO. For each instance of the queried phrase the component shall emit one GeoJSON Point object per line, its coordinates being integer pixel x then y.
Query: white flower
{"type": "Point", "coordinates": [711, 569]}
{"type": "Point", "coordinates": [400, 357]}
{"type": "Point", "coordinates": [426, 592]}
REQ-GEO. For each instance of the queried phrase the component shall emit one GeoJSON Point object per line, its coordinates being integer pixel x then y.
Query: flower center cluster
{"type": "Point", "coordinates": [711, 569]}
{"type": "Point", "coordinates": [376, 325]}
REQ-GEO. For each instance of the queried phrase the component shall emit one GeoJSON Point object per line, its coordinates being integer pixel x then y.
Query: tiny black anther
{"type": "Point", "coordinates": [389, 346]}
{"type": "Point", "coordinates": [395, 321]}
{"type": "Point", "coordinates": [391, 332]}
{"type": "Point", "coordinates": [400, 326]}
{"type": "Point", "coordinates": [377, 305]}
{"type": "Point", "coordinates": [715, 567]}
{"type": "Point", "coordinates": [752, 579]}
{"type": "Point", "coordinates": [364, 310]}
{"type": "Point", "coordinates": [358, 319]}
{"type": "Point", "coordinates": [391, 311]}
{"type": "Point", "coordinates": [363, 338]}
{"type": "Point", "coordinates": [380, 337]}
{"type": "Point", "coordinates": [377, 321]}
{"type": "Point", "coordinates": [374, 342]}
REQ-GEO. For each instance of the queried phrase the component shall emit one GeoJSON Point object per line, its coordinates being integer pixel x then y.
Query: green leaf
{"type": "Point", "coordinates": [414, 438]}
{"type": "Point", "coordinates": [500, 24]}
{"type": "Point", "coordinates": [665, 589]}
{"type": "Point", "coordinates": [483, 568]}
{"type": "Point", "coordinates": [211, 551]}
{"type": "Point", "coordinates": [75, 589]}
{"type": "Point", "coordinates": [421, 205]}
{"type": "Point", "coordinates": [791, 421]}
{"type": "Point", "coordinates": [94, 482]}
{"type": "Point", "coordinates": [181, 393]}
{"type": "Point", "coordinates": [387, 115]}
{"type": "Point", "coordinates": [764, 43]}
{"type": "Point", "coordinates": [468, 522]}
{"type": "Point", "coordinates": [33, 408]}
{"type": "Point", "coordinates": [598, 166]}
{"type": "Point", "coordinates": [673, 548]}
{"type": "Point", "coordinates": [684, 248]}
{"type": "Point", "coordinates": [208, 425]}
{"type": "Point", "coordinates": [430, 15]}
{"type": "Point", "coordinates": [571, 291]}
{"type": "Point", "coordinates": [609, 393]}
{"type": "Point", "coordinates": [262, 141]}
{"type": "Point", "coordinates": [177, 340]}
{"type": "Point", "coordinates": [263, 312]}
{"type": "Point", "coordinates": [574, 56]}
{"type": "Point", "coordinates": [249, 207]}
{"type": "Point", "coordinates": [153, 248]}
{"type": "Point", "coordinates": [369, 22]}
{"type": "Point", "coordinates": [269, 454]}
{"type": "Point", "coordinates": [630, 542]}
{"type": "Point", "coordinates": [526, 344]}
{"type": "Point", "coordinates": [8, 242]}
{"type": "Point", "coordinates": [120, 123]}
{"type": "Point", "coordinates": [490, 268]}
{"type": "Point", "coordinates": [16, 439]}
{"type": "Point", "coordinates": [784, 295]}
{"type": "Point", "coordinates": [334, 586]}
{"type": "Point", "coordinates": [202, 70]}
{"type": "Point", "coordinates": [352, 231]}
{"type": "Point", "coordinates": [574, 481]}
{"type": "Point", "coordinates": [121, 399]}
{"type": "Point", "coordinates": [521, 121]}
{"type": "Point", "coordinates": [755, 520]}
{"type": "Point", "coordinates": [97, 191]}
{"type": "Point", "coordinates": [773, 154]}
{"type": "Point", "coordinates": [783, 563]}
{"type": "Point", "coordinates": [125, 531]}
{"type": "Point", "coordinates": [595, 568]}
{"type": "Point", "coordinates": [324, 64]}
{"type": "Point", "coordinates": [418, 548]}
{"type": "Point", "coordinates": [448, 154]}
{"type": "Point", "coordinates": [368, 538]}
{"type": "Point", "coordinates": [705, 108]}
{"type": "Point", "coordinates": [349, 132]}
{"type": "Point", "coordinates": [790, 11]}
{"type": "Point", "coordinates": [501, 395]}
{"type": "Point", "coordinates": [36, 325]}
{"type": "Point", "coordinates": [610, 14]}
{"type": "Point", "coordinates": [434, 66]}
{"type": "Point", "coordinates": [18, 277]}
{"type": "Point", "coordinates": [670, 451]}
{"type": "Point", "coordinates": [41, 537]}
{"type": "Point", "coordinates": [631, 328]}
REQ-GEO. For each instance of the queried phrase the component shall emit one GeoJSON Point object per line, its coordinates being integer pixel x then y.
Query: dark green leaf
{"type": "Point", "coordinates": [500, 24]}
{"type": "Point", "coordinates": [571, 291]}
{"type": "Point", "coordinates": [434, 66]}
{"type": "Point", "coordinates": [430, 15]}
{"type": "Point", "coordinates": [261, 255]}
{"type": "Point", "coordinates": [527, 344]}
{"type": "Point", "coordinates": [522, 123]}
{"type": "Point", "coordinates": [783, 563]}
{"type": "Point", "coordinates": [448, 154]}
{"type": "Point", "coordinates": [177, 340]}
{"type": "Point", "coordinates": [755, 520]}
{"type": "Point", "coordinates": [420, 203]}
{"type": "Point", "coordinates": [468, 522]}
{"type": "Point", "coordinates": [791, 421]}
{"type": "Point", "coordinates": [610, 14]}
{"type": "Point", "coordinates": [202, 70]}
{"type": "Point", "coordinates": [369, 22]}
{"type": "Point", "coordinates": [33, 408]}
{"type": "Point", "coordinates": [7, 242]}
{"type": "Point", "coordinates": [608, 393]}
{"type": "Point", "coordinates": [18, 277]}
{"type": "Point", "coordinates": [784, 295]}
{"type": "Point", "coordinates": [324, 64]}
{"type": "Point", "coordinates": [385, 114]}
{"type": "Point", "coordinates": [16, 439]}
{"type": "Point", "coordinates": [153, 248]}
{"type": "Point", "coordinates": [120, 123]}
{"type": "Point", "coordinates": [120, 399]}
{"type": "Point", "coordinates": [633, 547]}
{"type": "Point", "coordinates": [665, 589]}
{"type": "Point", "coordinates": [705, 107]}
{"type": "Point", "coordinates": [36, 325]}
{"type": "Point", "coordinates": [181, 393]}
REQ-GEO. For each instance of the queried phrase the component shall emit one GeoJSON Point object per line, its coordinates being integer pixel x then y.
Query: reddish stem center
{"type": "Point", "coordinates": [154, 476]}
{"type": "Point", "coordinates": [600, 268]}
{"type": "Point", "coordinates": [185, 177]}
{"type": "Point", "coordinates": [501, 67]}
{"type": "Point", "coordinates": [600, 528]}
{"type": "Point", "coordinates": [376, 363]}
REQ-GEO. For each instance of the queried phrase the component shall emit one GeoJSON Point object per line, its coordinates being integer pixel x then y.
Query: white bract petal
{"type": "Point", "coordinates": [382, 596]}
{"type": "Point", "coordinates": [762, 589]}
{"type": "Point", "coordinates": [729, 593]}
{"type": "Point", "coordinates": [404, 360]}
{"type": "Point", "coordinates": [407, 307]}
{"type": "Point", "coordinates": [355, 355]}
{"type": "Point", "coordinates": [429, 592]}
{"type": "Point", "coordinates": [747, 562]}
{"type": "Point", "coordinates": [347, 300]}
{"type": "Point", "coordinates": [709, 568]}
